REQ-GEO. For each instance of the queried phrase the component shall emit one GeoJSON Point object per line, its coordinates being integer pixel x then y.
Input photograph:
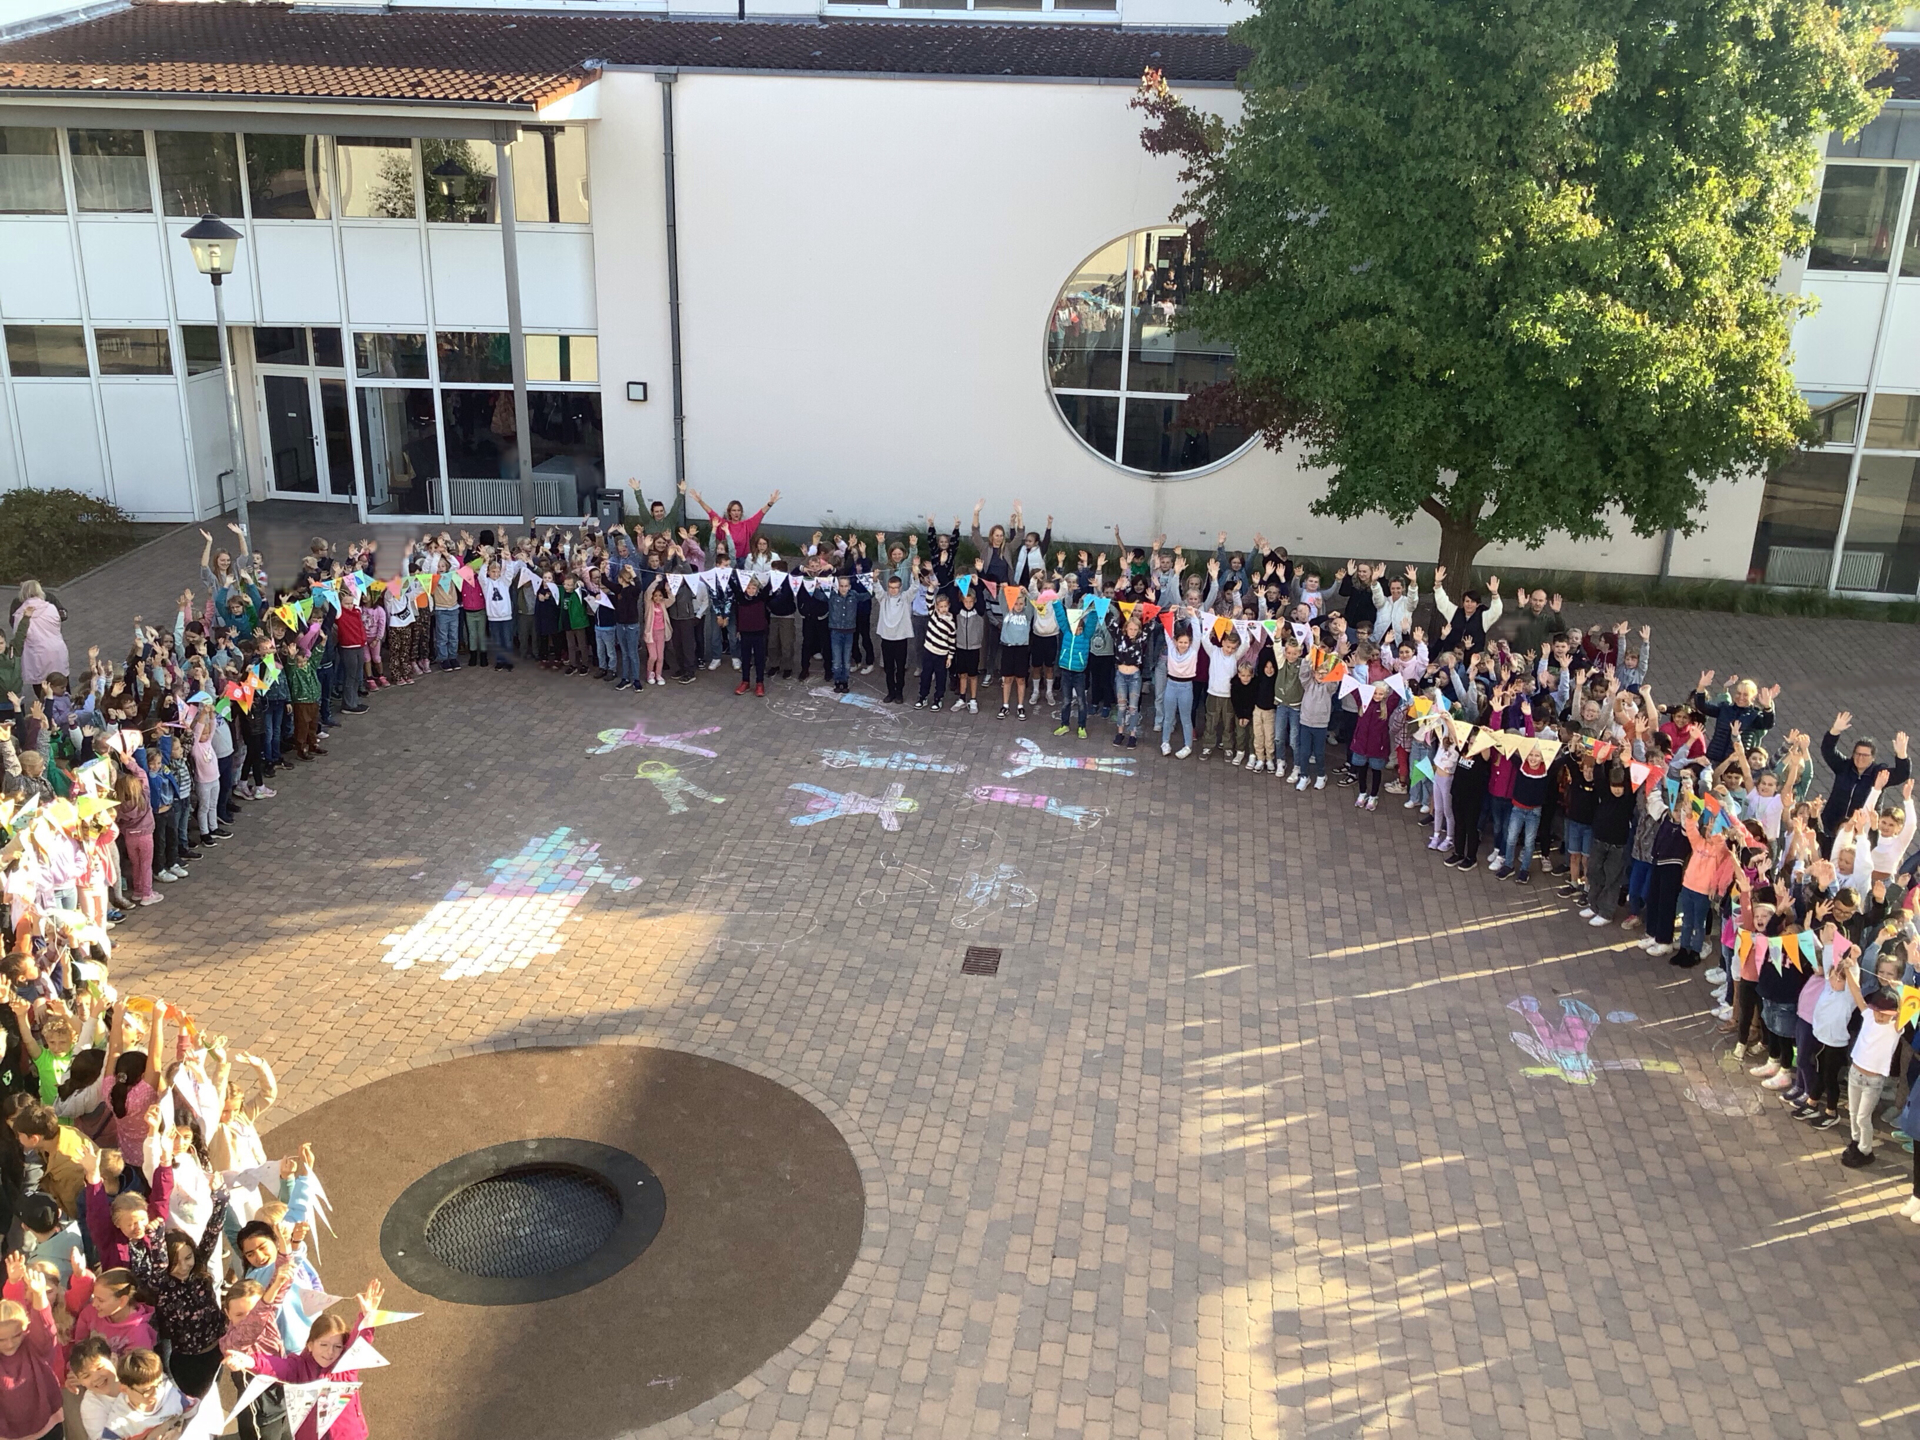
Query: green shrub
{"type": "Point", "coordinates": [53, 535]}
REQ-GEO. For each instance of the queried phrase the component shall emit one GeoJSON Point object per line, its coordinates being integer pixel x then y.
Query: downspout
{"type": "Point", "coordinates": [666, 79]}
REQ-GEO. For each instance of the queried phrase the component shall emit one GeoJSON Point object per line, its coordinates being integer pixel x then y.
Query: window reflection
{"type": "Point", "coordinates": [399, 451]}
{"type": "Point", "coordinates": [199, 172]}
{"type": "Point", "coordinates": [46, 351]}
{"type": "Point", "coordinates": [1883, 529]}
{"type": "Point", "coordinates": [110, 170]}
{"type": "Point", "coordinates": [133, 352]}
{"type": "Point", "coordinates": [1117, 330]}
{"type": "Point", "coordinates": [460, 181]}
{"type": "Point", "coordinates": [1859, 205]}
{"type": "Point", "coordinates": [30, 172]}
{"type": "Point", "coordinates": [550, 175]}
{"type": "Point", "coordinates": [1800, 520]}
{"type": "Point", "coordinates": [287, 177]}
{"type": "Point", "coordinates": [376, 178]}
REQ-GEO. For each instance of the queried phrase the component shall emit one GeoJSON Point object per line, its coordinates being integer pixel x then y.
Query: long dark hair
{"type": "Point", "coordinates": [128, 1071]}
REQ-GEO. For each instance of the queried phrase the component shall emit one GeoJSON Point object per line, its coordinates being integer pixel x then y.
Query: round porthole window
{"type": "Point", "coordinates": [1122, 366]}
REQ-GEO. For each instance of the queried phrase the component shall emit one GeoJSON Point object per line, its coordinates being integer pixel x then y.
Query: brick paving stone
{"type": "Point", "coordinates": [1236, 1143]}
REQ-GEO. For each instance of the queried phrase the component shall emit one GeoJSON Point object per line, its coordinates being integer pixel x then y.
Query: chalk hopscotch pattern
{"type": "Point", "coordinates": [512, 918]}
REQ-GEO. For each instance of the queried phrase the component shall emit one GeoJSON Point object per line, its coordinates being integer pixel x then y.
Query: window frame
{"type": "Point", "coordinates": [1895, 238]}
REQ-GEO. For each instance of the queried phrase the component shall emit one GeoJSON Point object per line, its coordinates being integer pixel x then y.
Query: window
{"type": "Point", "coordinates": [565, 426]}
{"type": "Point", "coordinates": [30, 172]}
{"type": "Point", "coordinates": [474, 357]}
{"type": "Point", "coordinates": [1800, 520]}
{"type": "Point", "coordinates": [460, 181]}
{"type": "Point", "coordinates": [1910, 252]}
{"type": "Point", "coordinates": [200, 348]}
{"type": "Point", "coordinates": [1895, 424]}
{"type": "Point", "coordinates": [287, 177]}
{"type": "Point", "coordinates": [1123, 367]}
{"type": "Point", "coordinates": [390, 357]}
{"type": "Point", "coordinates": [563, 358]}
{"type": "Point", "coordinates": [46, 351]}
{"type": "Point", "coordinates": [326, 348]}
{"type": "Point", "coordinates": [376, 178]}
{"type": "Point", "coordinates": [550, 175]}
{"type": "Point", "coordinates": [280, 344]}
{"type": "Point", "coordinates": [989, 6]}
{"type": "Point", "coordinates": [1836, 416]}
{"type": "Point", "coordinates": [399, 450]}
{"type": "Point", "coordinates": [1883, 529]}
{"type": "Point", "coordinates": [133, 352]}
{"type": "Point", "coordinates": [110, 170]}
{"type": "Point", "coordinates": [1859, 206]}
{"type": "Point", "coordinates": [199, 172]}
{"type": "Point", "coordinates": [480, 436]}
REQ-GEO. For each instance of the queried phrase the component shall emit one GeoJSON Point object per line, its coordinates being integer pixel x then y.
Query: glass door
{"type": "Point", "coordinates": [292, 446]}
{"type": "Point", "coordinates": [337, 435]}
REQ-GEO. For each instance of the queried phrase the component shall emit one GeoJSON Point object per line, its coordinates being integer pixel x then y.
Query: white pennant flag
{"type": "Point", "coordinates": [674, 582]}
{"type": "Point", "coordinates": [360, 1355]}
{"type": "Point", "coordinates": [335, 1396]}
{"type": "Point", "coordinates": [314, 1301]}
{"type": "Point", "coordinates": [300, 1400]}
{"type": "Point", "coordinates": [1397, 685]}
{"type": "Point", "coordinates": [1302, 633]}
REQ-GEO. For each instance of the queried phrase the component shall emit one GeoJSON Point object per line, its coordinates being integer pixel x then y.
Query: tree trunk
{"type": "Point", "coordinates": [1459, 543]}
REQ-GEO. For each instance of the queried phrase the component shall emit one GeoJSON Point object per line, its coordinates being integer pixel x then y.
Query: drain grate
{"type": "Point", "coordinates": [981, 960]}
{"type": "Point", "coordinates": [529, 1220]}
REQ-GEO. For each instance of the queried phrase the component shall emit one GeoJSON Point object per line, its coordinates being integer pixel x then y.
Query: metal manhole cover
{"type": "Point", "coordinates": [530, 1220]}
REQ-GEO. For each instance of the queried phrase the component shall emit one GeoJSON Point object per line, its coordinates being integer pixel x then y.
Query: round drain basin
{"type": "Point", "coordinates": [530, 1220]}
{"type": "Point", "coordinates": [521, 1222]}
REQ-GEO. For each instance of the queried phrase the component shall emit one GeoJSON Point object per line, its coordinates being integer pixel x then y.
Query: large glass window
{"type": "Point", "coordinates": [1883, 529]}
{"type": "Point", "coordinates": [1859, 206]}
{"type": "Point", "coordinates": [987, 6]}
{"type": "Point", "coordinates": [30, 172]}
{"type": "Point", "coordinates": [474, 357]}
{"type": "Point", "coordinates": [287, 177]}
{"type": "Point", "coordinates": [460, 181]}
{"type": "Point", "coordinates": [200, 348]}
{"type": "Point", "coordinates": [46, 351]}
{"type": "Point", "coordinates": [1800, 520]}
{"type": "Point", "coordinates": [1910, 252]}
{"type": "Point", "coordinates": [133, 352]}
{"type": "Point", "coordinates": [389, 357]}
{"type": "Point", "coordinates": [1895, 424]}
{"type": "Point", "coordinates": [1836, 416]}
{"type": "Point", "coordinates": [199, 172]}
{"type": "Point", "coordinates": [550, 175]}
{"type": "Point", "coordinates": [399, 450]}
{"type": "Point", "coordinates": [376, 178]}
{"type": "Point", "coordinates": [483, 457]}
{"type": "Point", "coordinates": [280, 344]}
{"type": "Point", "coordinates": [1123, 364]}
{"type": "Point", "coordinates": [563, 358]}
{"type": "Point", "coordinates": [110, 170]}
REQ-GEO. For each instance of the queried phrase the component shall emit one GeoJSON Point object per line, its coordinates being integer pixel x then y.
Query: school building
{"type": "Point", "coordinates": [888, 257]}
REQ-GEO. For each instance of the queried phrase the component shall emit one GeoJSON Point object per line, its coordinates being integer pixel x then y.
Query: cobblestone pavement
{"type": "Point", "coordinates": [1237, 1142]}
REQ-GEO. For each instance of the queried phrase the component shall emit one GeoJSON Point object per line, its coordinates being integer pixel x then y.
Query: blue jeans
{"type": "Point", "coordinates": [446, 636]}
{"type": "Point", "coordinates": [1177, 705]}
{"type": "Point", "coordinates": [1499, 811]}
{"type": "Point", "coordinates": [1695, 910]}
{"type": "Point", "coordinates": [1286, 736]}
{"type": "Point", "coordinates": [1127, 690]}
{"type": "Point", "coordinates": [602, 646]}
{"type": "Point", "coordinates": [324, 674]}
{"type": "Point", "coordinates": [1639, 882]}
{"type": "Point", "coordinates": [1073, 687]}
{"type": "Point", "coordinates": [626, 646]}
{"type": "Point", "coordinates": [182, 825]}
{"type": "Point", "coordinates": [1523, 828]}
{"type": "Point", "coordinates": [500, 642]}
{"type": "Point", "coordinates": [842, 643]}
{"type": "Point", "coordinates": [1314, 739]}
{"type": "Point", "coordinates": [276, 723]}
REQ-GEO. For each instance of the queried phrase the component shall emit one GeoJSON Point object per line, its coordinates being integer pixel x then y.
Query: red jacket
{"type": "Point", "coordinates": [351, 629]}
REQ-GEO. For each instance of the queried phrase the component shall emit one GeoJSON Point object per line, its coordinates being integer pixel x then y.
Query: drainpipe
{"type": "Point", "coordinates": [666, 79]}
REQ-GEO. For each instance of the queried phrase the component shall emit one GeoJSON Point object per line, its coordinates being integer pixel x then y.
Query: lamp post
{"type": "Point", "coordinates": [215, 245]}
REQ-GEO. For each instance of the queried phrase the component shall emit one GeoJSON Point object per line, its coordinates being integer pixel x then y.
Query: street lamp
{"type": "Point", "coordinates": [215, 245]}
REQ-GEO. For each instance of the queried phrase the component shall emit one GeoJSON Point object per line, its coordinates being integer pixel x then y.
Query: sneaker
{"type": "Point", "coordinates": [1118, 738]}
{"type": "Point", "coordinates": [714, 664]}
{"type": "Point", "coordinates": [1659, 951]}
{"type": "Point", "coordinates": [736, 663]}
{"type": "Point", "coordinates": [1828, 1119]}
{"type": "Point", "coordinates": [1061, 729]}
{"type": "Point", "coordinates": [154, 899]}
{"type": "Point", "coordinates": [686, 679]}
{"type": "Point", "coordinates": [1133, 742]}
{"type": "Point", "coordinates": [1410, 805]}
{"type": "Point", "coordinates": [1586, 913]}
{"type": "Point", "coordinates": [1853, 1157]}
{"type": "Point", "coordinates": [1083, 732]}
{"type": "Point", "coordinates": [166, 874]}
{"type": "Point", "coordinates": [1253, 762]}
{"type": "Point", "coordinates": [1518, 877]}
{"type": "Point", "coordinates": [1715, 976]}
{"type": "Point", "coordinates": [1301, 783]}
{"type": "Point", "coordinates": [1020, 712]}
{"type": "Point", "coordinates": [1766, 1071]}
{"type": "Point", "coordinates": [1294, 774]}
{"type": "Point", "coordinates": [1165, 748]}
{"type": "Point", "coordinates": [1359, 802]}
{"type": "Point", "coordinates": [1912, 1207]}
{"type": "Point", "coordinates": [1373, 802]}
{"type": "Point", "coordinates": [1394, 787]}
{"type": "Point", "coordinates": [1205, 751]}
{"type": "Point", "coordinates": [1495, 861]}
{"type": "Point", "coordinates": [961, 703]}
{"type": "Point", "coordinates": [1498, 868]}
{"type": "Point", "coordinates": [1319, 782]}
{"type": "Point", "coordinates": [1567, 892]}
{"type": "Point", "coordinates": [741, 688]}
{"type": "Point", "coordinates": [264, 792]}
{"type": "Point", "coordinates": [1003, 713]}
{"type": "Point", "coordinates": [1806, 1110]}
{"type": "Point", "coordinates": [1183, 752]}
{"type": "Point", "coordinates": [973, 707]}
{"type": "Point", "coordinates": [1780, 1081]}
{"type": "Point", "coordinates": [243, 791]}
{"type": "Point", "coordinates": [1598, 920]}
{"type": "Point", "coordinates": [864, 669]}
{"type": "Point", "coordinates": [919, 704]}
{"type": "Point", "coordinates": [760, 689]}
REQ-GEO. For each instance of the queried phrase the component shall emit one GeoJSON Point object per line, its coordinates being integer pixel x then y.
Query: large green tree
{"type": "Point", "coordinates": [1510, 262]}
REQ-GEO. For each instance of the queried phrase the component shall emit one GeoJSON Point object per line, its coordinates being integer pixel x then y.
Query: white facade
{"type": "Point", "coordinates": [868, 269]}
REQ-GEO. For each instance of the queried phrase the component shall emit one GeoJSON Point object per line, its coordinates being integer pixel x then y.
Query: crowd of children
{"type": "Point", "coordinates": [1692, 823]}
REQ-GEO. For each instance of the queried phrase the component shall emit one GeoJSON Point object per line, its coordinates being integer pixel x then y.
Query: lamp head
{"type": "Point", "coordinates": [215, 245]}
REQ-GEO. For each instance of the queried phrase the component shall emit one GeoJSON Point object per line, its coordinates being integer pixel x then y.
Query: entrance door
{"type": "Point", "coordinates": [291, 441]}
{"type": "Point", "coordinates": [338, 434]}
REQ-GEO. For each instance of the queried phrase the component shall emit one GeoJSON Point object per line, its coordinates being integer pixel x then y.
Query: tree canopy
{"type": "Point", "coordinates": [1512, 262]}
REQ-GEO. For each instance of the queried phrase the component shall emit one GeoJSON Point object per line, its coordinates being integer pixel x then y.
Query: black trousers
{"type": "Point", "coordinates": [1467, 803]}
{"type": "Point", "coordinates": [813, 641]}
{"type": "Point", "coordinates": [680, 647]}
{"type": "Point", "coordinates": [194, 1374]}
{"type": "Point", "coordinates": [753, 656]}
{"type": "Point", "coordinates": [863, 637]}
{"type": "Point", "coordinates": [895, 654]}
{"type": "Point", "coordinates": [1100, 689]}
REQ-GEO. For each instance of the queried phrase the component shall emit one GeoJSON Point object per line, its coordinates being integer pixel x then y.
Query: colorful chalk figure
{"type": "Point", "coordinates": [865, 759]}
{"type": "Point", "coordinates": [1029, 757]}
{"type": "Point", "coordinates": [673, 787]}
{"type": "Point", "coordinates": [1083, 816]}
{"type": "Point", "coordinates": [1561, 1049]}
{"type": "Point", "coordinates": [888, 806]}
{"type": "Point", "coordinates": [611, 740]}
{"type": "Point", "coordinates": [511, 919]}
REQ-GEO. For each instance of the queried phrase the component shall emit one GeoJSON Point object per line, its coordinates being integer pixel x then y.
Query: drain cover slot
{"type": "Point", "coordinates": [530, 1220]}
{"type": "Point", "coordinates": [981, 960]}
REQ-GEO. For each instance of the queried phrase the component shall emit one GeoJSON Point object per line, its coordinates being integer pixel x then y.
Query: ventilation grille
{"type": "Point", "coordinates": [530, 1220]}
{"type": "Point", "coordinates": [981, 960]}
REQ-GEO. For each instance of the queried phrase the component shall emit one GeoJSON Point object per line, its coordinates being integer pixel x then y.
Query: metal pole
{"type": "Point", "coordinates": [516, 336]}
{"type": "Point", "coordinates": [242, 479]}
{"type": "Point", "coordinates": [666, 79]}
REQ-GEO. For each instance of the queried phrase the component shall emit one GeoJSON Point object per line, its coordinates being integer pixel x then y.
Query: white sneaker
{"type": "Point", "coordinates": [1184, 751]}
{"type": "Point", "coordinates": [973, 706]}
{"type": "Point", "coordinates": [1411, 805]}
{"type": "Point", "coordinates": [1586, 913]}
{"type": "Point", "coordinates": [1715, 976]}
{"type": "Point", "coordinates": [1911, 1208]}
{"type": "Point", "coordinates": [960, 704]}
{"type": "Point", "coordinates": [1319, 782]}
{"type": "Point", "coordinates": [1294, 774]}
{"type": "Point", "coordinates": [1373, 802]}
{"type": "Point", "coordinates": [265, 792]}
{"type": "Point", "coordinates": [1779, 1082]}
{"type": "Point", "coordinates": [1166, 748]}
{"type": "Point", "coordinates": [1301, 783]}
{"type": "Point", "coordinates": [736, 662]}
{"type": "Point", "coordinates": [154, 899]}
{"type": "Point", "coordinates": [714, 664]}
{"type": "Point", "coordinates": [1659, 951]}
{"type": "Point", "coordinates": [1494, 861]}
{"type": "Point", "coordinates": [1724, 1012]}
{"type": "Point", "coordinates": [1766, 1071]}
{"type": "Point", "coordinates": [1599, 920]}
{"type": "Point", "coordinates": [864, 669]}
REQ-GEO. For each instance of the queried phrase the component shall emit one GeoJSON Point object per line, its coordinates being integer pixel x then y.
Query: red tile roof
{"type": "Point", "coordinates": [518, 59]}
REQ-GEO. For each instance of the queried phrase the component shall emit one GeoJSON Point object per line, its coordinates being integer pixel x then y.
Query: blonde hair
{"type": "Point", "coordinates": [30, 590]}
{"type": "Point", "coordinates": [12, 1312]}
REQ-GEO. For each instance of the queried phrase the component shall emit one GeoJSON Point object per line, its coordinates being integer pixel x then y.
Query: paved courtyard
{"type": "Point", "coordinates": [1239, 1141]}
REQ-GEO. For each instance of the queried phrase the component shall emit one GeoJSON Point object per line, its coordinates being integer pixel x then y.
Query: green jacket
{"type": "Point", "coordinates": [303, 681]}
